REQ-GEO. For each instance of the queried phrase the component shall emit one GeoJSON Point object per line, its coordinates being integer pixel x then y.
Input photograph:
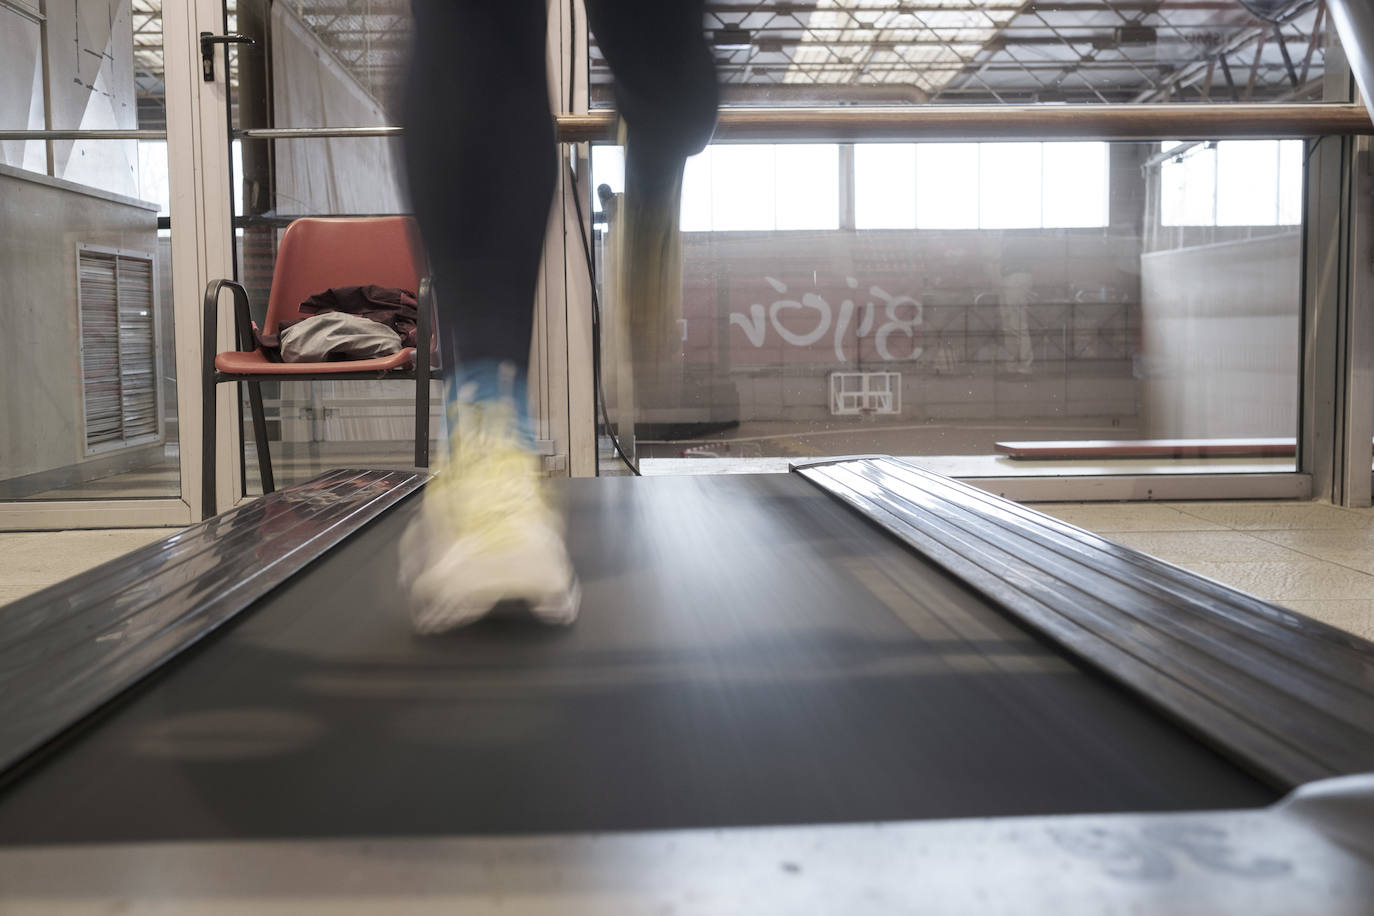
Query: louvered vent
{"type": "Point", "coordinates": [118, 348]}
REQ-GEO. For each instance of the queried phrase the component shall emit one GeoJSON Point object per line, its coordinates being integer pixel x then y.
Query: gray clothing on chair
{"type": "Point", "coordinates": [337, 336]}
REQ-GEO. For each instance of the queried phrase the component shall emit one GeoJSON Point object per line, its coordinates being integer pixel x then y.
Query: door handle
{"type": "Point", "coordinates": [208, 40]}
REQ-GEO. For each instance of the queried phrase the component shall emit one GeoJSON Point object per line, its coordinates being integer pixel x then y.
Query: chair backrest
{"type": "Point", "coordinates": [320, 254]}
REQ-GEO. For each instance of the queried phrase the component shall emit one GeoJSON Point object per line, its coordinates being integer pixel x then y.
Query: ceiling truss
{"type": "Point", "coordinates": [867, 51]}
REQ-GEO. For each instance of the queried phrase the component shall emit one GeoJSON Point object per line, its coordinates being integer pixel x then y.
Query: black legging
{"type": "Point", "coordinates": [480, 146]}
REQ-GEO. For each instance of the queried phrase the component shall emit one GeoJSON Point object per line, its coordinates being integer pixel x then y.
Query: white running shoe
{"type": "Point", "coordinates": [487, 532]}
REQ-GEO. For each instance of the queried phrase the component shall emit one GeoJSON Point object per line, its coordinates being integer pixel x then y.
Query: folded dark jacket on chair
{"type": "Point", "coordinates": [395, 308]}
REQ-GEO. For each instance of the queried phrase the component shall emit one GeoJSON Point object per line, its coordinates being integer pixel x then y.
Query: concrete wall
{"type": "Point", "coordinates": [43, 220]}
{"type": "Point", "coordinates": [1221, 338]}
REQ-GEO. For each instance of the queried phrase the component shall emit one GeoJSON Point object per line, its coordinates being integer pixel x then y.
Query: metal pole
{"type": "Point", "coordinates": [1007, 122]}
{"type": "Point", "coordinates": [929, 123]}
{"type": "Point", "coordinates": [83, 135]}
{"type": "Point", "coordinates": [971, 122]}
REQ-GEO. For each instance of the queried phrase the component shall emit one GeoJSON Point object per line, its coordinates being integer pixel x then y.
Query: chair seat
{"type": "Point", "coordinates": [255, 362]}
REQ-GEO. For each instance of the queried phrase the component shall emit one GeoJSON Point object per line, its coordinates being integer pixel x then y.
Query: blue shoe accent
{"type": "Point", "coordinates": [493, 380]}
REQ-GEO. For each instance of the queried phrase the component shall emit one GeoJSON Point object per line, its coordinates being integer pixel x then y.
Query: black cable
{"type": "Point", "coordinates": [600, 393]}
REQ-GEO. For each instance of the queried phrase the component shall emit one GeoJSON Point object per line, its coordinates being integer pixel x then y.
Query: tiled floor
{"type": "Point", "coordinates": [1313, 558]}
{"type": "Point", "coordinates": [30, 561]}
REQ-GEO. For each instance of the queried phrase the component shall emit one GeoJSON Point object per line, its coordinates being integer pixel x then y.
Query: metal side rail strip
{"type": "Point", "coordinates": [1312, 853]}
{"type": "Point", "coordinates": [1290, 697]}
{"type": "Point", "coordinates": [71, 648]}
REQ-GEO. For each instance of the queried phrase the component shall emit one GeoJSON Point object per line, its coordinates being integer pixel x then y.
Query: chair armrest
{"type": "Point", "coordinates": [424, 326]}
{"type": "Point", "coordinates": [243, 321]}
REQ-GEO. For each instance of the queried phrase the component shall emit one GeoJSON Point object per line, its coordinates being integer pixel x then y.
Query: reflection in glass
{"type": "Point", "coordinates": [952, 52]}
{"type": "Point", "coordinates": [743, 187]}
{"type": "Point", "coordinates": [1075, 185]}
{"type": "Point", "coordinates": [995, 294]}
{"type": "Point", "coordinates": [885, 185]}
{"type": "Point", "coordinates": [1233, 183]}
{"type": "Point", "coordinates": [947, 186]}
{"type": "Point", "coordinates": [1292, 155]}
{"type": "Point", "coordinates": [1189, 186]}
{"type": "Point", "coordinates": [698, 192]}
{"type": "Point", "coordinates": [1009, 185]}
{"type": "Point", "coordinates": [324, 70]}
{"type": "Point", "coordinates": [1248, 183]}
{"type": "Point", "coordinates": [87, 368]}
{"type": "Point", "coordinates": [807, 186]}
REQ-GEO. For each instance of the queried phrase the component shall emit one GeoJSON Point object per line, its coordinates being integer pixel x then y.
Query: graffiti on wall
{"type": "Point", "coordinates": [807, 321]}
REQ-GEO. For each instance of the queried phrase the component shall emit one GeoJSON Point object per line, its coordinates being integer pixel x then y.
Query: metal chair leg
{"type": "Point", "coordinates": [423, 344]}
{"type": "Point", "coordinates": [260, 436]}
{"type": "Point", "coordinates": [207, 446]}
{"type": "Point", "coordinates": [422, 419]}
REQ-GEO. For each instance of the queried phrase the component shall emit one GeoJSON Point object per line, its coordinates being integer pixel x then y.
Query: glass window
{"type": "Point", "coordinates": [1248, 183]}
{"type": "Point", "coordinates": [697, 191]}
{"type": "Point", "coordinates": [1076, 185]}
{"type": "Point", "coordinates": [742, 187]}
{"type": "Point", "coordinates": [947, 186]}
{"type": "Point", "coordinates": [1232, 183]}
{"type": "Point", "coordinates": [748, 187]}
{"type": "Point", "coordinates": [885, 185]}
{"type": "Point", "coordinates": [608, 167]}
{"type": "Point", "coordinates": [1188, 186]}
{"type": "Point", "coordinates": [807, 186]}
{"type": "Point", "coordinates": [152, 175]}
{"type": "Point", "coordinates": [1291, 173]}
{"type": "Point", "coordinates": [1009, 185]}
{"type": "Point", "coordinates": [982, 186]}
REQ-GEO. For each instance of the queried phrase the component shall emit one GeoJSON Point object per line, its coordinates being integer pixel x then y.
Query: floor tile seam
{"type": "Point", "coordinates": [1107, 533]}
{"type": "Point", "coordinates": [1195, 557]}
{"type": "Point", "coordinates": [1313, 556]}
{"type": "Point", "coordinates": [1221, 571]}
{"type": "Point", "coordinates": [1299, 558]}
{"type": "Point", "coordinates": [1286, 528]}
{"type": "Point", "coordinates": [1220, 526]}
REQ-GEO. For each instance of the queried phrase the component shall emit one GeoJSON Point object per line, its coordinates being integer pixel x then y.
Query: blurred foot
{"type": "Point", "coordinates": [487, 532]}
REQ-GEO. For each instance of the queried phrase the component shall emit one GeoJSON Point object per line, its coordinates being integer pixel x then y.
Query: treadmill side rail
{"type": "Point", "coordinates": [1290, 697]}
{"type": "Point", "coordinates": [69, 649]}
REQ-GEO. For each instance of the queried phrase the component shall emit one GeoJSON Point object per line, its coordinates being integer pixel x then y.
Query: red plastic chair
{"type": "Point", "coordinates": [315, 255]}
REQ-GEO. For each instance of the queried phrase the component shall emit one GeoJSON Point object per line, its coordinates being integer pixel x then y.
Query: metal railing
{"type": "Point", "coordinates": [1013, 122]}
{"type": "Point", "coordinates": [83, 134]}
{"type": "Point", "coordinates": [918, 122]}
{"type": "Point", "coordinates": [951, 123]}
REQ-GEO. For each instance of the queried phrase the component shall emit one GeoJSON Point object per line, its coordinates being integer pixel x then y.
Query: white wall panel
{"type": "Point", "coordinates": [311, 89]}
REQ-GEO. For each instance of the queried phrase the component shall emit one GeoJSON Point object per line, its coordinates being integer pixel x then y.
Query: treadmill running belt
{"type": "Point", "coordinates": [750, 652]}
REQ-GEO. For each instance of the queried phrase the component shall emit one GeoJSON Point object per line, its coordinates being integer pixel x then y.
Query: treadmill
{"type": "Point", "coordinates": [855, 687]}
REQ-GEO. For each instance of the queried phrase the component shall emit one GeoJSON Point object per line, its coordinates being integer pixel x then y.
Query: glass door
{"type": "Point", "coordinates": [314, 68]}
{"type": "Point", "coordinates": [99, 255]}
{"type": "Point", "coordinates": [314, 109]}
